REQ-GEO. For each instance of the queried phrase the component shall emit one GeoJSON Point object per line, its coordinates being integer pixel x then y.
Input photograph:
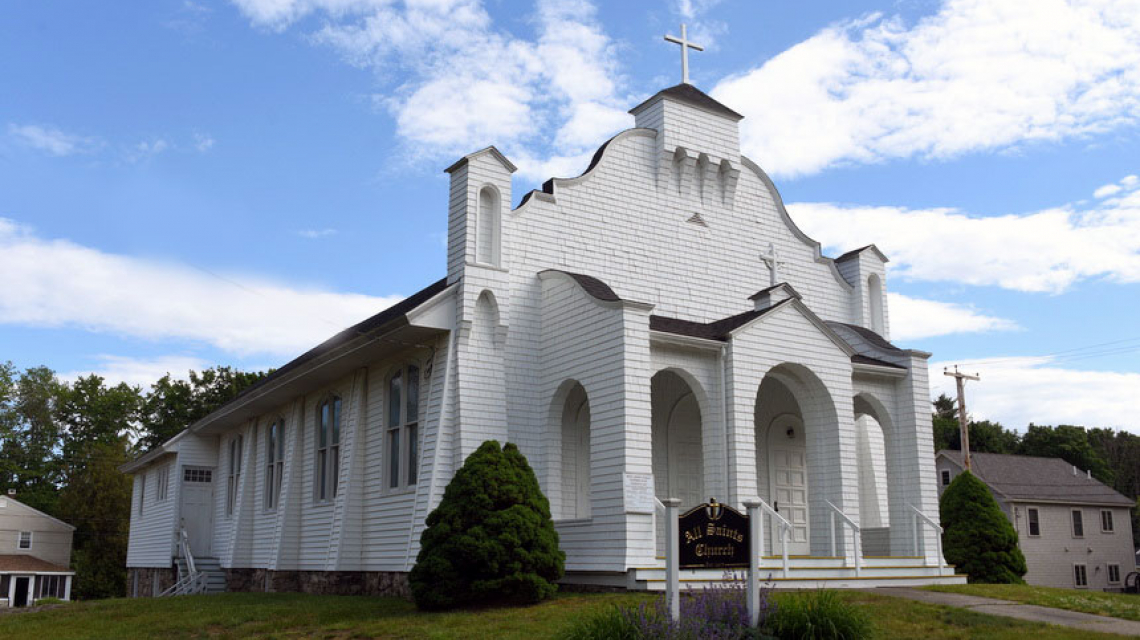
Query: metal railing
{"type": "Point", "coordinates": [856, 535]}
{"type": "Point", "coordinates": [784, 528]}
{"type": "Point", "coordinates": [917, 517]}
{"type": "Point", "coordinates": [193, 581]}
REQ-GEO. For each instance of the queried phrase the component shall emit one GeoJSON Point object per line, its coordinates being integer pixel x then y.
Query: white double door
{"type": "Point", "coordinates": [788, 487]}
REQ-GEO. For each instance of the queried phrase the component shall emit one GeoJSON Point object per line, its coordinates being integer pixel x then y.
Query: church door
{"type": "Point", "coordinates": [787, 464]}
{"type": "Point", "coordinates": [197, 509]}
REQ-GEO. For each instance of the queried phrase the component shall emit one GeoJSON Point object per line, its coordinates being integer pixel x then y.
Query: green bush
{"type": "Point", "coordinates": [491, 540]}
{"type": "Point", "coordinates": [978, 539]}
{"type": "Point", "coordinates": [818, 615]}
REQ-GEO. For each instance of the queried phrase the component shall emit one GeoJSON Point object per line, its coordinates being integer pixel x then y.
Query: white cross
{"type": "Point", "coordinates": [772, 259]}
{"type": "Point", "coordinates": [685, 46]}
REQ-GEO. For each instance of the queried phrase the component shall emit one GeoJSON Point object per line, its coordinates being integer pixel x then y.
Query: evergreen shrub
{"type": "Point", "coordinates": [978, 539]}
{"type": "Point", "coordinates": [491, 539]}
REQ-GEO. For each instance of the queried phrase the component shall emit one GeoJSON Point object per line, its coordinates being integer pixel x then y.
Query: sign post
{"type": "Point", "coordinates": [753, 509]}
{"type": "Point", "coordinates": [672, 559]}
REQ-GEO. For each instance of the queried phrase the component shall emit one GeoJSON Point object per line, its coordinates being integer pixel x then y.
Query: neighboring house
{"type": "Point", "coordinates": [1074, 530]}
{"type": "Point", "coordinates": [658, 322]}
{"type": "Point", "coordinates": [35, 552]}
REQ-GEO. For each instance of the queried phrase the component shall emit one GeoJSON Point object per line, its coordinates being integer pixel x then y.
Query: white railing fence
{"type": "Point", "coordinates": [856, 536]}
{"type": "Point", "coordinates": [919, 518]}
{"type": "Point", "coordinates": [192, 581]}
{"type": "Point", "coordinates": [784, 529]}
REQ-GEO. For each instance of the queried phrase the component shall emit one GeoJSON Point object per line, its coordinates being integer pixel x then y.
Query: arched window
{"type": "Point", "coordinates": [327, 465]}
{"type": "Point", "coordinates": [235, 475]}
{"type": "Point", "coordinates": [487, 239]}
{"type": "Point", "coordinates": [274, 462]}
{"type": "Point", "coordinates": [576, 455]}
{"type": "Point", "coordinates": [875, 295]}
{"type": "Point", "coordinates": [402, 439]}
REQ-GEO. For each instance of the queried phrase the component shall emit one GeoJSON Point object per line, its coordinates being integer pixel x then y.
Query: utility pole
{"type": "Point", "coordinates": [963, 425]}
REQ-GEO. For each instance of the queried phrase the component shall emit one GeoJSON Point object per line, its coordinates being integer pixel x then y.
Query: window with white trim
{"type": "Point", "coordinates": [402, 440]}
{"type": "Point", "coordinates": [1078, 524]}
{"type": "Point", "coordinates": [1080, 575]}
{"type": "Point", "coordinates": [327, 465]}
{"type": "Point", "coordinates": [50, 586]}
{"type": "Point", "coordinates": [25, 540]}
{"type": "Point", "coordinates": [274, 462]}
{"type": "Point", "coordinates": [1034, 522]}
{"type": "Point", "coordinates": [163, 484]}
{"type": "Point", "coordinates": [234, 479]}
{"type": "Point", "coordinates": [945, 477]}
{"type": "Point", "coordinates": [1113, 574]}
{"type": "Point", "coordinates": [1106, 525]}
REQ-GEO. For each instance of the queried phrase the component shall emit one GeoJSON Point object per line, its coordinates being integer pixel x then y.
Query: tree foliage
{"type": "Point", "coordinates": [977, 537]}
{"type": "Point", "coordinates": [173, 404]}
{"type": "Point", "coordinates": [491, 539]}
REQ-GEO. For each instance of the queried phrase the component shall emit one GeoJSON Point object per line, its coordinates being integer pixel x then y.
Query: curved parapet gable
{"type": "Point", "coordinates": [819, 257]}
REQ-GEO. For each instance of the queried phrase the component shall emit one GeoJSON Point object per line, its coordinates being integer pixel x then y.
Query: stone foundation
{"type": "Point", "coordinates": [345, 583]}
{"type": "Point", "coordinates": [151, 581]}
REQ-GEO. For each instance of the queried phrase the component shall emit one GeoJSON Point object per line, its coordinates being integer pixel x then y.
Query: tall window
{"type": "Point", "coordinates": [1080, 575]}
{"type": "Point", "coordinates": [1034, 522]}
{"type": "Point", "coordinates": [1113, 574]}
{"type": "Point", "coordinates": [328, 448]}
{"type": "Point", "coordinates": [25, 540]}
{"type": "Point", "coordinates": [163, 483]}
{"type": "Point", "coordinates": [142, 492]}
{"type": "Point", "coordinates": [945, 478]}
{"type": "Point", "coordinates": [487, 238]}
{"type": "Point", "coordinates": [875, 298]}
{"type": "Point", "coordinates": [1078, 524]}
{"type": "Point", "coordinates": [274, 462]}
{"type": "Point", "coordinates": [403, 427]}
{"type": "Point", "coordinates": [1106, 521]}
{"type": "Point", "coordinates": [234, 480]}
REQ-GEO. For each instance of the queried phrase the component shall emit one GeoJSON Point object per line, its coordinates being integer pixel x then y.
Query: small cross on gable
{"type": "Point", "coordinates": [685, 46]}
{"type": "Point", "coordinates": [773, 261]}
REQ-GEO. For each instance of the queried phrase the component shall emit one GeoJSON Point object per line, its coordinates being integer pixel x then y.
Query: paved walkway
{"type": "Point", "coordinates": [1073, 619]}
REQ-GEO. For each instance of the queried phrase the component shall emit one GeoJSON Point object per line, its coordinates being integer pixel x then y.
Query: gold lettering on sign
{"type": "Point", "coordinates": [720, 531]}
{"type": "Point", "coordinates": [711, 551]}
{"type": "Point", "coordinates": [692, 535]}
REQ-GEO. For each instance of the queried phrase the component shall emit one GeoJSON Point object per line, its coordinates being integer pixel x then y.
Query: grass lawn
{"type": "Point", "coordinates": [1117, 605]}
{"type": "Point", "coordinates": [239, 615]}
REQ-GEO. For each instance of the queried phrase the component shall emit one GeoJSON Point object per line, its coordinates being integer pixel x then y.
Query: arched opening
{"type": "Point", "coordinates": [875, 467]}
{"type": "Point", "coordinates": [576, 454]}
{"type": "Point", "coordinates": [875, 302]}
{"type": "Point", "coordinates": [796, 430]}
{"type": "Point", "coordinates": [679, 157]}
{"type": "Point", "coordinates": [487, 239]}
{"type": "Point", "coordinates": [678, 452]}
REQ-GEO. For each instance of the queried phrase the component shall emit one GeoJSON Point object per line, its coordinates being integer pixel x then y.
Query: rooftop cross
{"type": "Point", "coordinates": [685, 46]}
{"type": "Point", "coordinates": [772, 259]}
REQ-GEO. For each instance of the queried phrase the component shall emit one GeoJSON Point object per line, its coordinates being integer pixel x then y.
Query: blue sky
{"type": "Point", "coordinates": [187, 183]}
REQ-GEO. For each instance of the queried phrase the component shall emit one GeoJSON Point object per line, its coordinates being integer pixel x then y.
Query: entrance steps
{"type": "Point", "coordinates": [212, 567]}
{"type": "Point", "coordinates": [809, 572]}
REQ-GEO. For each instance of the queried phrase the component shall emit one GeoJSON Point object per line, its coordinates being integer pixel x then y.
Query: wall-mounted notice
{"type": "Point", "coordinates": [639, 493]}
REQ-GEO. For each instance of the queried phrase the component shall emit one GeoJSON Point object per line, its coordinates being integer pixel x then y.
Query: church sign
{"type": "Point", "coordinates": [713, 535]}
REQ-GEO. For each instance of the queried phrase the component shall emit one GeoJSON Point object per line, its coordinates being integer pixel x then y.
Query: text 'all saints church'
{"type": "Point", "coordinates": [657, 327]}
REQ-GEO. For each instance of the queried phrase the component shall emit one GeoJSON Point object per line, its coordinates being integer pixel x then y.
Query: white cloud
{"type": "Point", "coordinates": [57, 283]}
{"type": "Point", "coordinates": [1044, 251]}
{"type": "Point", "coordinates": [51, 140]}
{"type": "Point", "coordinates": [203, 143]}
{"type": "Point", "coordinates": [460, 83]}
{"type": "Point", "coordinates": [313, 234]}
{"type": "Point", "coordinates": [142, 372]}
{"type": "Point", "coordinates": [1017, 391]}
{"type": "Point", "coordinates": [977, 75]}
{"type": "Point", "coordinates": [915, 318]}
{"type": "Point", "coordinates": [145, 150]}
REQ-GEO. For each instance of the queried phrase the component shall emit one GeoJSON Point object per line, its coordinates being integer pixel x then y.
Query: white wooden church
{"type": "Point", "coordinates": [657, 327]}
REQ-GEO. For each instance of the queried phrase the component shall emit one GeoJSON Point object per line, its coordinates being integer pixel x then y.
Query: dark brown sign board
{"type": "Point", "coordinates": [713, 535]}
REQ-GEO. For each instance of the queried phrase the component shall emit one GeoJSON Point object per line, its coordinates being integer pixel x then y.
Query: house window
{"type": "Point", "coordinates": [274, 462]}
{"type": "Point", "coordinates": [196, 475]}
{"type": "Point", "coordinates": [25, 540]}
{"type": "Point", "coordinates": [328, 449]}
{"type": "Point", "coordinates": [1078, 524]}
{"type": "Point", "coordinates": [163, 483]}
{"type": "Point", "coordinates": [945, 478]}
{"type": "Point", "coordinates": [1080, 576]}
{"type": "Point", "coordinates": [1113, 574]}
{"type": "Point", "coordinates": [403, 427]}
{"type": "Point", "coordinates": [50, 586]}
{"type": "Point", "coordinates": [234, 479]}
{"type": "Point", "coordinates": [1106, 521]}
{"type": "Point", "coordinates": [1034, 522]}
{"type": "Point", "coordinates": [142, 492]}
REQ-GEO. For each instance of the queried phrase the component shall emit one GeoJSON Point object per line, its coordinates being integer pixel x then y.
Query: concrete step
{"type": "Point", "coordinates": [826, 561]}
{"type": "Point", "coordinates": [864, 582]}
{"type": "Point", "coordinates": [800, 572]}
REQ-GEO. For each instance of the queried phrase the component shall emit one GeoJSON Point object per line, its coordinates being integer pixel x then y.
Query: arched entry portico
{"type": "Point", "coordinates": [678, 451]}
{"type": "Point", "coordinates": [796, 432]}
{"type": "Point", "coordinates": [570, 414]}
{"type": "Point", "coordinates": [877, 466]}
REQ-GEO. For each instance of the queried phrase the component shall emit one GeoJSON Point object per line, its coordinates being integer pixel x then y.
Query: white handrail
{"type": "Point", "coordinates": [856, 535]}
{"type": "Point", "coordinates": [785, 528]}
{"type": "Point", "coordinates": [915, 517]}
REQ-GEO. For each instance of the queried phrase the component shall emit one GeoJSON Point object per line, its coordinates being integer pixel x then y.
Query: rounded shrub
{"type": "Point", "coordinates": [491, 539]}
{"type": "Point", "coordinates": [978, 538]}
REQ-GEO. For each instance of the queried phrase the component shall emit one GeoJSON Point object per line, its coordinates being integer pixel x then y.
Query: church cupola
{"type": "Point", "coordinates": [477, 222]}
{"type": "Point", "coordinates": [865, 269]}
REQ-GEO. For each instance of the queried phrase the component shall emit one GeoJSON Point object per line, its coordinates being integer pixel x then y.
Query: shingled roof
{"type": "Point", "coordinates": [689, 94]}
{"type": "Point", "coordinates": [1029, 478]}
{"type": "Point", "coordinates": [21, 563]}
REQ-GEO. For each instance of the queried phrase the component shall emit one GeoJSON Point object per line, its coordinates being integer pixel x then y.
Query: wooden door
{"type": "Point", "coordinates": [198, 509]}
{"type": "Point", "coordinates": [787, 463]}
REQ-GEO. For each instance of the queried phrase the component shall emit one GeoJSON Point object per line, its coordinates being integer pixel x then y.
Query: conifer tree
{"type": "Point", "coordinates": [978, 539]}
{"type": "Point", "coordinates": [491, 539]}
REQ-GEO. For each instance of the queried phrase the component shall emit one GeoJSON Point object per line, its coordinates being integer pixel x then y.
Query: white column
{"type": "Point", "coordinates": [31, 590]}
{"type": "Point", "coordinates": [672, 559]}
{"type": "Point", "coordinates": [754, 527]}
{"type": "Point", "coordinates": [67, 587]}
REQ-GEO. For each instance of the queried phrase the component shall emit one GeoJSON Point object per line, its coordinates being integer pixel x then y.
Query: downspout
{"type": "Point", "coordinates": [724, 420]}
{"type": "Point", "coordinates": [451, 355]}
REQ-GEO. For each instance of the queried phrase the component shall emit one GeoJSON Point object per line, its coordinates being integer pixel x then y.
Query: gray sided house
{"type": "Point", "coordinates": [35, 552]}
{"type": "Point", "coordinates": [1075, 531]}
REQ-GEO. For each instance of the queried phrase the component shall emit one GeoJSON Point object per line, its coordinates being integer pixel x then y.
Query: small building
{"type": "Point", "coordinates": [35, 553]}
{"type": "Point", "coordinates": [1075, 531]}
